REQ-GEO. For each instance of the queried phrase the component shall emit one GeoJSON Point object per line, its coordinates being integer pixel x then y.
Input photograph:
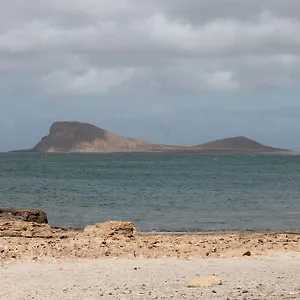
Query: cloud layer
{"type": "Point", "coordinates": [99, 47]}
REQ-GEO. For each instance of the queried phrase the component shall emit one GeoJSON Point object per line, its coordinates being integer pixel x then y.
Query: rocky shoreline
{"type": "Point", "coordinates": [112, 261]}
{"type": "Point", "coordinates": [21, 239]}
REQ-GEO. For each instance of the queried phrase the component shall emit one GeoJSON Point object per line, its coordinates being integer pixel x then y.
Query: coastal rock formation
{"type": "Point", "coordinates": [11, 226]}
{"type": "Point", "coordinates": [111, 228]}
{"type": "Point", "coordinates": [27, 215]}
{"type": "Point", "coordinates": [19, 228]}
{"type": "Point", "coordinates": [28, 240]}
{"type": "Point", "coordinates": [28, 223]}
{"type": "Point", "coordinates": [82, 137]}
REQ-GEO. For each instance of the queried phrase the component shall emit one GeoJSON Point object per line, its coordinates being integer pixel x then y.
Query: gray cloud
{"type": "Point", "coordinates": [99, 47]}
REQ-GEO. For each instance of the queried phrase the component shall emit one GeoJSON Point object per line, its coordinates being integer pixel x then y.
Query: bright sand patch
{"type": "Point", "coordinates": [273, 277]}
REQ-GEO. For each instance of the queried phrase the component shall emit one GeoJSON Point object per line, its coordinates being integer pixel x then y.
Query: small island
{"type": "Point", "coordinates": [70, 137]}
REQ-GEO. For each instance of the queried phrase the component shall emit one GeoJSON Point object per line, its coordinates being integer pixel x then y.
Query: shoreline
{"type": "Point", "coordinates": [112, 261]}
{"type": "Point", "coordinates": [197, 233]}
{"type": "Point", "coordinates": [31, 241]}
{"type": "Point", "coordinates": [175, 151]}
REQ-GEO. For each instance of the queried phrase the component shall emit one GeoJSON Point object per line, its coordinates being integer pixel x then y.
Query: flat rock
{"type": "Point", "coordinates": [26, 215]}
{"type": "Point", "coordinates": [111, 228]}
{"type": "Point", "coordinates": [205, 281]}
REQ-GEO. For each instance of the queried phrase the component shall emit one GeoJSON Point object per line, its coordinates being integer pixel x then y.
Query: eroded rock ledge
{"type": "Point", "coordinates": [20, 214]}
{"type": "Point", "coordinates": [32, 223]}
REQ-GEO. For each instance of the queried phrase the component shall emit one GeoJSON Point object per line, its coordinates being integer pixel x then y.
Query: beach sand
{"type": "Point", "coordinates": [273, 277]}
{"type": "Point", "coordinates": [81, 245]}
{"type": "Point", "coordinates": [112, 261]}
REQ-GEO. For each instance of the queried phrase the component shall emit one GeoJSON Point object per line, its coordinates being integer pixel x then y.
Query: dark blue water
{"type": "Point", "coordinates": [158, 192]}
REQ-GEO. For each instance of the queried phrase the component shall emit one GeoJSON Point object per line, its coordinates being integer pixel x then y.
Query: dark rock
{"type": "Point", "coordinates": [27, 215]}
{"type": "Point", "coordinates": [247, 253]}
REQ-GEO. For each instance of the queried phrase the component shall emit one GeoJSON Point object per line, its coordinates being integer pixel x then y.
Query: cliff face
{"type": "Point", "coordinates": [82, 137]}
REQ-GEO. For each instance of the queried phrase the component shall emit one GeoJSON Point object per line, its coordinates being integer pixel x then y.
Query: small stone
{"type": "Point", "coordinates": [206, 281]}
{"type": "Point", "coordinates": [247, 253]}
{"type": "Point", "coordinates": [245, 291]}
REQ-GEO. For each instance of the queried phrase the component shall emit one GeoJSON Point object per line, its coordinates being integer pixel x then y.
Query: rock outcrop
{"type": "Point", "coordinates": [111, 228]}
{"type": "Point", "coordinates": [18, 222]}
{"type": "Point", "coordinates": [19, 228]}
{"type": "Point", "coordinates": [26, 215]}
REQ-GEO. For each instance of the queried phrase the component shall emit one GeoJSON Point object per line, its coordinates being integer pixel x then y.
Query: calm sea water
{"type": "Point", "coordinates": [158, 192]}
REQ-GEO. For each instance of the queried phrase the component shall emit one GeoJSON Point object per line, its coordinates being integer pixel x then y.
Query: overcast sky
{"type": "Point", "coordinates": [168, 71]}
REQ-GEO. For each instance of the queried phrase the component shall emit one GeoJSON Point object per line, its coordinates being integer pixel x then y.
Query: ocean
{"type": "Point", "coordinates": [157, 191]}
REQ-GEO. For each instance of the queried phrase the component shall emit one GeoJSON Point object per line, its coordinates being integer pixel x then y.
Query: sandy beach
{"type": "Point", "coordinates": [113, 261]}
{"type": "Point", "coordinates": [273, 277]}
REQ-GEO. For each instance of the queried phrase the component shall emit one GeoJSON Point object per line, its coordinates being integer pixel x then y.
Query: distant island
{"type": "Point", "coordinates": [68, 137]}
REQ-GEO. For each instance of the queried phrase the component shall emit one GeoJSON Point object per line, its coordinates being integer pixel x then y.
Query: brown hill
{"type": "Point", "coordinates": [83, 137]}
{"type": "Point", "coordinates": [239, 143]}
